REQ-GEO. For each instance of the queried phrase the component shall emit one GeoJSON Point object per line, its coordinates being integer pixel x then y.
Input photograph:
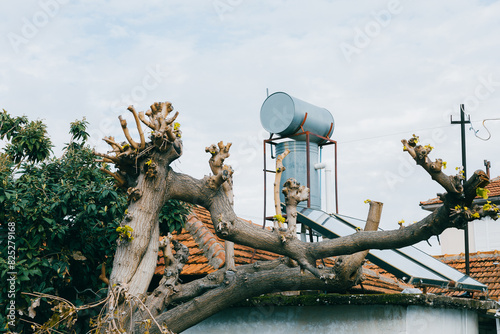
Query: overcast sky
{"type": "Point", "coordinates": [384, 69]}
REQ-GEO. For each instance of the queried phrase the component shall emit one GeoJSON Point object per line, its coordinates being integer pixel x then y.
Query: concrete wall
{"type": "Point", "coordinates": [484, 235]}
{"type": "Point", "coordinates": [452, 241]}
{"type": "Point", "coordinates": [355, 319]}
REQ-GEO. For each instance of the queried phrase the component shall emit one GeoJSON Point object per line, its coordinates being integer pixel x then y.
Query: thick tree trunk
{"type": "Point", "coordinates": [135, 260]}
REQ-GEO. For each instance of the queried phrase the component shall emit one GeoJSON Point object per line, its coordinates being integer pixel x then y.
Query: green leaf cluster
{"type": "Point", "coordinates": [173, 216]}
{"type": "Point", "coordinates": [65, 212]}
{"type": "Point", "coordinates": [28, 140]}
{"type": "Point", "coordinates": [125, 233]}
{"type": "Point", "coordinates": [482, 192]}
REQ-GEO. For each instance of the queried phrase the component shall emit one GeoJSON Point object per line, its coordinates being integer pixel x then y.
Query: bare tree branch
{"type": "Point", "coordinates": [348, 267]}
{"type": "Point", "coordinates": [280, 168]}
{"type": "Point", "coordinates": [126, 132]}
{"type": "Point", "coordinates": [120, 181]}
{"type": "Point", "coordinates": [117, 148]}
{"type": "Point", "coordinates": [419, 153]}
{"type": "Point", "coordinates": [139, 127]}
{"type": "Point", "coordinates": [294, 194]}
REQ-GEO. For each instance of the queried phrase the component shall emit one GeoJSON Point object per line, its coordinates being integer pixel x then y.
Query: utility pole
{"type": "Point", "coordinates": [462, 123]}
{"type": "Point", "coordinates": [487, 164]}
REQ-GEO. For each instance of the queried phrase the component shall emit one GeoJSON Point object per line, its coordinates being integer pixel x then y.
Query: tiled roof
{"type": "Point", "coordinates": [378, 280]}
{"type": "Point", "coordinates": [493, 187]}
{"type": "Point", "coordinates": [484, 267]}
{"type": "Point", "coordinates": [206, 254]}
{"type": "Point", "coordinates": [206, 249]}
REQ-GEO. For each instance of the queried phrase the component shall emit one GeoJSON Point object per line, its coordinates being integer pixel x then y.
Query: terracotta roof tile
{"type": "Point", "coordinates": [493, 187]}
{"type": "Point", "coordinates": [484, 267]}
{"type": "Point", "coordinates": [207, 248]}
{"type": "Point", "coordinates": [207, 254]}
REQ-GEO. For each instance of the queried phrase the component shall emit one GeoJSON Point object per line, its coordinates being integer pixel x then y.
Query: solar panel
{"type": "Point", "coordinates": [408, 263]}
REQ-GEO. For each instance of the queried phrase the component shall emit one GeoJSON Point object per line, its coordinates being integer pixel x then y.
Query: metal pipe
{"type": "Point", "coordinates": [328, 184]}
{"type": "Point", "coordinates": [321, 177]}
{"type": "Point", "coordinates": [308, 169]}
{"type": "Point", "coordinates": [265, 180]}
{"type": "Point", "coordinates": [336, 183]}
{"type": "Point", "coordinates": [328, 181]}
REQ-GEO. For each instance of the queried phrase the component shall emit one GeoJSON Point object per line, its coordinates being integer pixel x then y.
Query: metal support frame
{"type": "Point", "coordinates": [308, 134]}
{"type": "Point", "coordinates": [462, 123]}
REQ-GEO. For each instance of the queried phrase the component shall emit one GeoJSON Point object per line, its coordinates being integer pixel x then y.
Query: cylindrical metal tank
{"type": "Point", "coordinates": [284, 115]}
{"type": "Point", "coordinates": [296, 167]}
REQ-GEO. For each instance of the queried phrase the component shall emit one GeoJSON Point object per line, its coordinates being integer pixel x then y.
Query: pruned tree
{"type": "Point", "coordinates": [143, 168]}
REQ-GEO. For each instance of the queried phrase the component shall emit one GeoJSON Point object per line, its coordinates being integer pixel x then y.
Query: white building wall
{"type": "Point", "coordinates": [484, 235]}
{"type": "Point", "coordinates": [452, 241]}
{"type": "Point", "coordinates": [345, 319]}
{"type": "Point", "coordinates": [487, 235]}
{"type": "Point", "coordinates": [427, 320]}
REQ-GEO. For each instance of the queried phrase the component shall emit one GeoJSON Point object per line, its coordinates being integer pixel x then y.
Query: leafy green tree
{"type": "Point", "coordinates": [65, 212]}
{"type": "Point", "coordinates": [62, 214]}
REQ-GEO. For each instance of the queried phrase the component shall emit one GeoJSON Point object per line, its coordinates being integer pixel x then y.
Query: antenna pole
{"type": "Point", "coordinates": [462, 123]}
{"type": "Point", "coordinates": [487, 164]}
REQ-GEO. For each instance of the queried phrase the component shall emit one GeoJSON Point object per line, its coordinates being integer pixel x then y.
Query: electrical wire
{"type": "Point", "coordinates": [393, 134]}
{"type": "Point", "coordinates": [489, 133]}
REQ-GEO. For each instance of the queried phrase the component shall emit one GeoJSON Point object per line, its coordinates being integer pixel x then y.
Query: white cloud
{"type": "Point", "coordinates": [413, 73]}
